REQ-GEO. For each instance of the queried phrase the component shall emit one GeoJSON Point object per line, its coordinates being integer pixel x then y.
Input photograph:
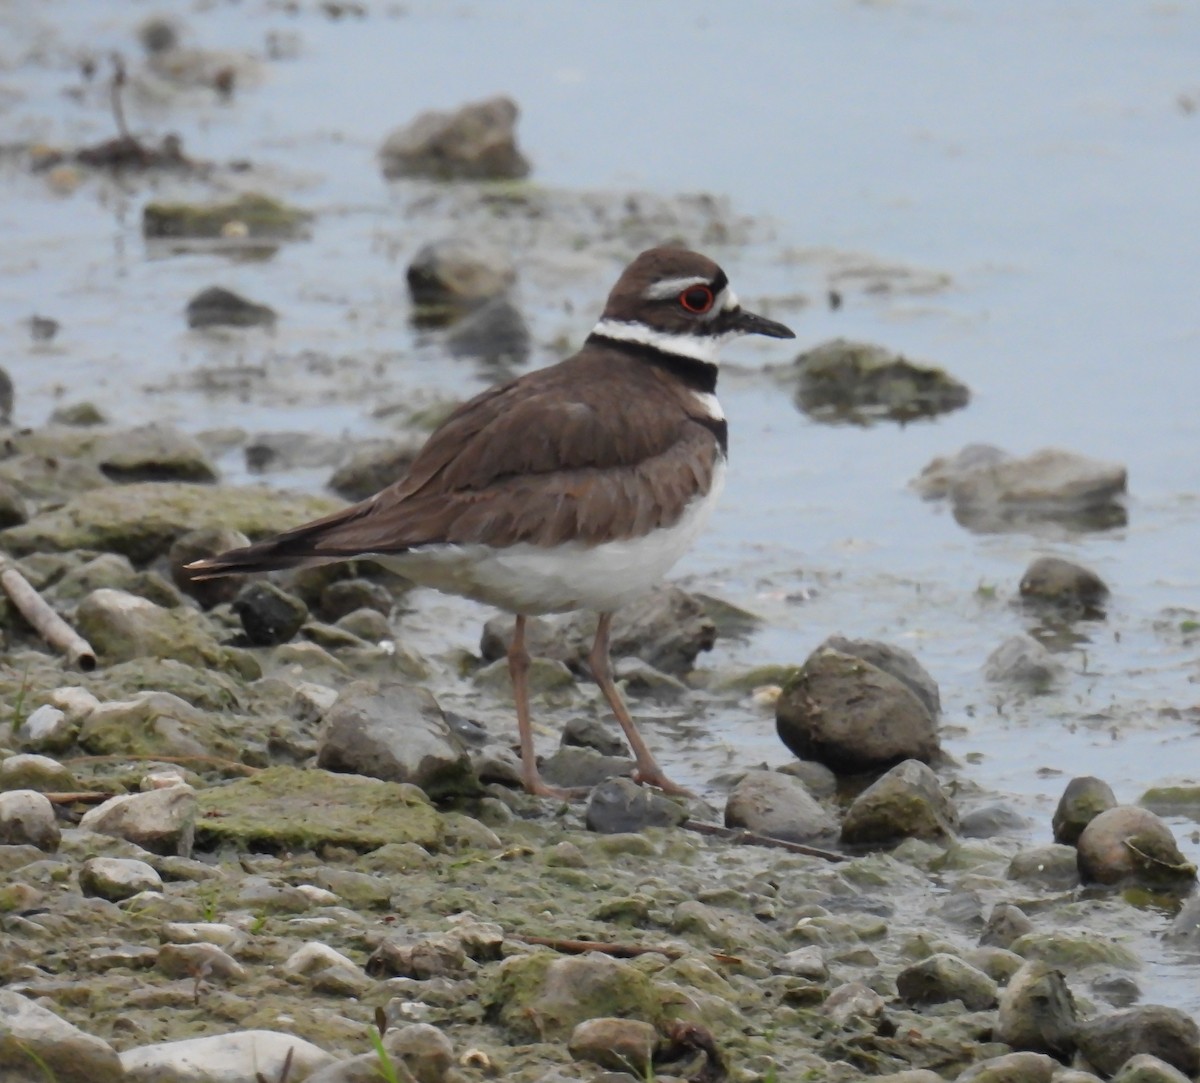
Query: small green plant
{"type": "Point", "coordinates": [19, 713]}
{"type": "Point", "coordinates": [208, 900]}
{"type": "Point", "coordinates": [259, 923]}
{"type": "Point", "coordinates": [385, 1067]}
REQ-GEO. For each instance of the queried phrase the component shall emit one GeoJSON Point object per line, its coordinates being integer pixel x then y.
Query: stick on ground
{"type": "Point", "coordinates": [43, 620]}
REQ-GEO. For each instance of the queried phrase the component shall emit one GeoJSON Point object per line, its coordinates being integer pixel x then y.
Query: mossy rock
{"type": "Point", "coordinates": [288, 808]}
{"type": "Point", "coordinates": [1173, 801]}
{"type": "Point", "coordinates": [258, 216]}
{"type": "Point", "coordinates": [1069, 952]}
{"type": "Point", "coordinates": [142, 520]}
{"type": "Point", "coordinates": [542, 997]}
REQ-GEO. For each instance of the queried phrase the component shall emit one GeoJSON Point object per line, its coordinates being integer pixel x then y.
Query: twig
{"type": "Point", "coordinates": [212, 761]}
{"type": "Point", "coordinates": [43, 620]}
{"type": "Point", "coordinates": [118, 108]}
{"type": "Point", "coordinates": [581, 947]}
{"type": "Point", "coordinates": [749, 838]}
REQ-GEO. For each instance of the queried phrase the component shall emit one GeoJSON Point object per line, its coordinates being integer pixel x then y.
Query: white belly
{"type": "Point", "coordinates": [530, 579]}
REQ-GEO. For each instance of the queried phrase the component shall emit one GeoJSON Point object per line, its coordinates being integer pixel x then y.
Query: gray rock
{"type": "Point", "coordinates": [1145, 1068]}
{"type": "Point", "coordinates": [907, 802]}
{"type": "Point", "coordinates": [371, 468]}
{"type": "Point", "coordinates": [853, 1000]}
{"type": "Point", "coordinates": [47, 729]}
{"type": "Point", "coordinates": [423, 1050]}
{"type": "Point", "coordinates": [27, 771]}
{"type": "Point", "coordinates": [122, 626]}
{"type": "Point", "coordinates": [269, 615]}
{"type": "Point", "coordinates": [942, 977]}
{"type": "Point", "coordinates": [460, 272]}
{"type": "Point", "coordinates": [620, 805]}
{"type": "Point", "coordinates": [841, 380]}
{"type": "Point", "coordinates": [894, 660]}
{"type": "Point", "coordinates": [1067, 588]}
{"type": "Point", "coordinates": [992, 821]}
{"type": "Point", "coordinates": [580, 768]}
{"type": "Point", "coordinates": [197, 545]}
{"type": "Point", "coordinates": [27, 818]}
{"type": "Point", "coordinates": [392, 731]}
{"type": "Point", "coordinates": [154, 724]}
{"type": "Point", "coordinates": [1011, 1068]}
{"type": "Point", "coordinates": [625, 1045]}
{"type": "Point", "coordinates": [666, 628]}
{"type": "Point", "coordinates": [153, 452]}
{"type": "Point", "coordinates": [584, 731]}
{"type": "Point", "coordinates": [821, 782]}
{"type": "Point", "coordinates": [345, 596]}
{"type": "Point", "coordinates": [852, 716]}
{"type": "Point", "coordinates": [1053, 867]}
{"type": "Point", "coordinates": [1128, 842]}
{"type": "Point", "coordinates": [1184, 931]}
{"type": "Point", "coordinates": [1005, 923]}
{"type": "Point", "coordinates": [993, 492]}
{"type": "Point", "coordinates": [367, 624]}
{"type": "Point", "coordinates": [769, 803]}
{"type": "Point", "coordinates": [117, 878]}
{"type": "Point", "coordinates": [1022, 663]}
{"type": "Point", "coordinates": [806, 962]}
{"type": "Point", "coordinates": [208, 962]}
{"type": "Point", "coordinates": [13, 509]}
{"type": "Point", "coordinates": [1082, 801]}
{"type": "Point", "coordinates": [495, 333]}
{"type": "Point", "coordinates": [35, 1041]}
{"type": "Point", "coordinates": [235, 1056]}
{"type": "Point", "coordinates": [1037, 1012]}
{"type": "Point", "coordinates": [476, 142]}
{"type": "Point", "coordinates": [162, 821]}
{"type": "Point", "coordinates": [1167, 1033]}
{"type": "Point", "coordinates": [219, 307]}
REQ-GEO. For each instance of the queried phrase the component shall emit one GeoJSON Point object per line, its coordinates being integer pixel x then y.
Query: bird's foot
{"type": "Point", "coordinates": [652, 775]}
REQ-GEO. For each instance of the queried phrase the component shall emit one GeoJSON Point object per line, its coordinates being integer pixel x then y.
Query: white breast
{"type": "Point", "coordinates": [530, 579]}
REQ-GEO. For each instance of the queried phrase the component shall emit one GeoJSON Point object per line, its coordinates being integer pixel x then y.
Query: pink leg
{"type": "Point", "coordinates": [646, 768]}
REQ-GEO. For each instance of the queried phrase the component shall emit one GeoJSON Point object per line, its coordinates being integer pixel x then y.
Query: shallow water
{"type": "Point", "coordinates": [1035, 162]}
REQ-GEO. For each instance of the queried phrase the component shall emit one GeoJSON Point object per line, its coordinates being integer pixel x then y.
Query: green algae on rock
{"type": "Point", "coordinates": [286, 808]}
{"type": "Point", "coordinates": [142, 520]}
{"type": "Point", "coordinates": [250, 215]}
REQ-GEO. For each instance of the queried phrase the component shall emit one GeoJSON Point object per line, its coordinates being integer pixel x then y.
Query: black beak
{"type": "Point", "coordinates": [749, 323]}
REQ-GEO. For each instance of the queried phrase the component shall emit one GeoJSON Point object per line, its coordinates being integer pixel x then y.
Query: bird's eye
{"type": "Point", "coordinates": [697, 299]}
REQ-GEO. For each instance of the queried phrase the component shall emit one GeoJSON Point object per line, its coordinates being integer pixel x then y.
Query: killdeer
{"type": "Point", "coordinates": [574, 487]}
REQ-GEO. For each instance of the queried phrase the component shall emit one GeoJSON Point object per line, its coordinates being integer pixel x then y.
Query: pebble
{"type": "Point", "coordinates": [1052, 867]}
{"type": "Point", "coordinates": [620, 1044]}
{"type": "Point", "coordinates": [943, 977]}
{"type": "Point", "coordinates": [1024, 664]}
{"type": "Point", "coordinates": [803, 963]}
{"type": "Point", "coordinates": [906, 802]}
{"type": "Point", "coordinates": [770, 803]}
{"type": "Point", "coordinates": [1128, 842]}
{"type": "Point", "coordinates": [1005, 923]}
{"type": "Point", "coordinates": [27, 817]}
{"type": "Point", "coordinates": [35, 1040]}
{"type": "Point", "coordinates": [240, 1056]}
{"type": "Point", "coordinates": [1082, 801]}
{"type": "Point", "coordinates": [1037, 1012]}
{"type": "Point", "coordinates": [117, 878]}
{"type": "Point", "coordinates": [219, 307]}
{"type": "Point", "coordinates": [475, 142]}
{"type": "Point", "coordinates": [390, 730]}
{"type": "Point", "coordinates": [1070, 589]}
{"type": "Point", "coordinates": [1108, 1041]}
{"type": "Point", "coordinates": [1011, 1068]}
{"type": "Point", "coordinates": [162, 821]}
{"type": "Point", "coordinates": [853, 716]}
{"type": "Point", "coordinates": [200, 960]}
{"type": "Point", "coordinates": [28, 771]}
{"type": "Point", "coordinates": [48, 729]}
{"type": "Point", "coordinates": [620, 805]}
{"type": "Point", "coordinates": [269, 615]}
{"type": "Point", "coordinates": [1146, 1068]}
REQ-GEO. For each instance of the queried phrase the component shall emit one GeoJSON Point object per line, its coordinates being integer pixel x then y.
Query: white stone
{"type": "Point", "coordinates": [318, 895]}
{"type": "Point", "coordinates": [162, 821]}
{"type": "Point", "coordinates": [311, 701]}
{"type": "Point", "coordinates": [76, 703]}
{"type": "Point", "coordinates": [66, 1052]}
{"type": "Point", "coordinates": [316, 956]}
{"type": "Point", "coordinates": [116, 878]}
{"type": "Point", "coordinates": [804, 963]}
{"type": "Point", "coordinates": [27, 816]}
{"type": "Point", "coordinates": [224, 1058]}
{"type": "Point", "coordinates": [47, 728]}
{"type": "Point", "coordinates": [203, 932]}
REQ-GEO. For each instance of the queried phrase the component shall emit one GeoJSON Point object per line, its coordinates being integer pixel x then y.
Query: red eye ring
{"type": "Point", "coordinates": [697, 299]}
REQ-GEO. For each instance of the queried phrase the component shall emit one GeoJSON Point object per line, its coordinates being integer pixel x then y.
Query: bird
{"type": "Point", "coordinates": [573, 487]}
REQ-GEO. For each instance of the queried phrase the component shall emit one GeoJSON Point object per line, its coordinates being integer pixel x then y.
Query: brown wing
{"type": "Point", "coordinates": [555, 455]}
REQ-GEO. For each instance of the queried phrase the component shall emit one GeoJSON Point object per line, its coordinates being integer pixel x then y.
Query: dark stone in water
{"type": "Point", "coordinates": [219, 307]}
{"type": "Point", "coordinates": [620, 805]}
{"type": "Point", "coordinates": [1167, 1033]}
{"type": "Point", "coordinates": [269, 615]}
{"type": "Point", "coordinates": [1082, 801]}
{"type": "Point", "coordinates": [1070, 589]}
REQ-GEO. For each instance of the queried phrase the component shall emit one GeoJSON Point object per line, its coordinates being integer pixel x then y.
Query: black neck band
{"type": "Point", "coordinates": [695, 374]}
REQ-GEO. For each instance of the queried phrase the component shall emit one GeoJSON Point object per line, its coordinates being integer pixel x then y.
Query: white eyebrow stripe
{"type": "Point", "coordinates": [697, 347]}
{"type": "Point", "coordinates": [669, 287]}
